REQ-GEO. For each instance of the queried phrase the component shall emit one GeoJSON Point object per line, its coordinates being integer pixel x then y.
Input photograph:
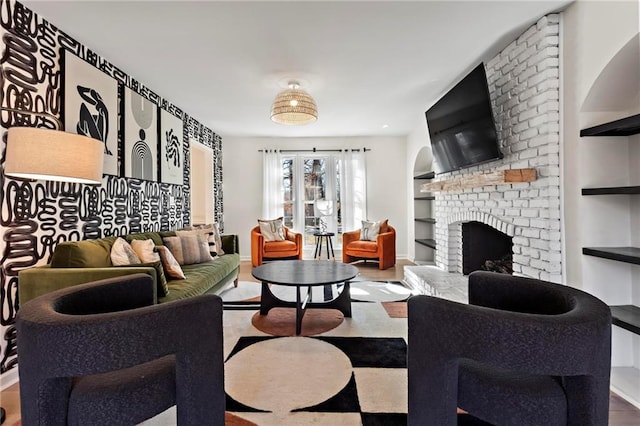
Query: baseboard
{"type": "Point", "coordinates": [9, 378]}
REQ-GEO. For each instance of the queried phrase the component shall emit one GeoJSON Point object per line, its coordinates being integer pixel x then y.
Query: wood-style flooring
{"type": "Point", "coordinates": [621, 413]}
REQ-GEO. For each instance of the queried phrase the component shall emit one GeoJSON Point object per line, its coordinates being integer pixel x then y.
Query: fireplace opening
{"type": "Point", "coordinates": [485, 248]}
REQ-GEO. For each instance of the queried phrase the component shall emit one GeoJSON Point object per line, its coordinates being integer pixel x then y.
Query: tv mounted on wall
{"type": "Point", "coordinates": [461, 125]}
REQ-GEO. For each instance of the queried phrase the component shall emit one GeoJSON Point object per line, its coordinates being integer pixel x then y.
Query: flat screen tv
{"type": "Point", "coordinates": [461, 125]}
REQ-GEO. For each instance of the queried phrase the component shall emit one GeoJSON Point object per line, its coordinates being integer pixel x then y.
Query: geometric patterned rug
{"type": "Point", "coordinates": [354, 374]}
{"type": "Point", "coordinates": [293, 378]}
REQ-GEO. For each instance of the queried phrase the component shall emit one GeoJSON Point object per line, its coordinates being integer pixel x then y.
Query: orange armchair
{"type": "Point", "coordinates": [382, 249]}
{"type": "Point", "coordinates": [290, 248]}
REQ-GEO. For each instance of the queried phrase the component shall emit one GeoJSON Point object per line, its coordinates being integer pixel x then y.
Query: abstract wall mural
{"type": "Point", "coordinates": [91, 106]}
{"type": "Point", "coordinates": [35, 216]}
{"type": "Point", "coordinates": [171, 154]}
{"type": "Point", "coordinates": [140, 136]}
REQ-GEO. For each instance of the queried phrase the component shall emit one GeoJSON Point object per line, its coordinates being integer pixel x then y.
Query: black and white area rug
{"type": "Point", "coordinates": [354, 374]}
{"type": "Point", "coordinates": [352, 380]}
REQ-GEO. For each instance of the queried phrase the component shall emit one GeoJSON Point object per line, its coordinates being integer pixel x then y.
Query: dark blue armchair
{"type": "Point", "coordinates": [102, 354]}
{"type": "Point", "coordinates": [523, 352]}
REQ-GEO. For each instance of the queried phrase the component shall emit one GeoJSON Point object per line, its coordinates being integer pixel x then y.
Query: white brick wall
{"type": "Point", "coordinates": [524, 87]}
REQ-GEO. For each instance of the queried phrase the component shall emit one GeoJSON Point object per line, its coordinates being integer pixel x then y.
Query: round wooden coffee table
{"type": "Point", "coordinates": [304, 273]}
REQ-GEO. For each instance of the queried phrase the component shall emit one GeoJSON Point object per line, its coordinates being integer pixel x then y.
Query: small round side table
{"type": "Point", "coordinates": [327, 237]}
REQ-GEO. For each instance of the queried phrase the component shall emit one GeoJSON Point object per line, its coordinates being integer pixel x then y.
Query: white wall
{"type": "Point", "coordinates": [242, 181]}
{"type": "Point", "coordinates": [593, 32]}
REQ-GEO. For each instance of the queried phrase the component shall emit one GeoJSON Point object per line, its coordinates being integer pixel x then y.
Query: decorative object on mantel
{"type": "Point", "coordinates": [40, 153]}
{"type": "Point", "coordinates": [498, 177]}
{"type": "Point", "coordinates": [294, 106]}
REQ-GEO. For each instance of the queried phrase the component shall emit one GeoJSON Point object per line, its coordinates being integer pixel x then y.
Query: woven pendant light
{"type": "Point", "coordinates": [294, 106]}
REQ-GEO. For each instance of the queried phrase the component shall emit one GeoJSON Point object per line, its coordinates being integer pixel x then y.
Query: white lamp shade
{"type": "Point", "coordinates": [44, 154]}
{"type": "Point", "coordinates": [323, 207]}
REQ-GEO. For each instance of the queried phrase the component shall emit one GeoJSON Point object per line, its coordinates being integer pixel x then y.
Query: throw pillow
{"type": "Point", "coordinates": [215, 228]}
{"type": "Point", "coordinates": [175, 247]}
{"type": "Point", "coordinates": [208, 234]}
{"type": "Point", "coordinates": [370, 230]}
{"type": "Point", "coordinates": [83, 254]}
{"type": "Point", "coordinates": [384, 226]}
{"type": "Point", "coordinates": [195, 249]}
{"type": "Point", "coordinates": [272, 230]}
{"type": "Point", "coordinates": [146, 250]}
{"type": "Point", "coordinates": [218, 238]}
{"type": "Point", "coordinates": [122, 253]}
{"type": "Point", "coordinates": [171, 266]}
{"type": "Point", "coordinates": [189, 248]}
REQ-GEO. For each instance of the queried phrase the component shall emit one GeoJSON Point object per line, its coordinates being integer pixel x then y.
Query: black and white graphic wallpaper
{"type": "Point", "coordinates": [40, 67]}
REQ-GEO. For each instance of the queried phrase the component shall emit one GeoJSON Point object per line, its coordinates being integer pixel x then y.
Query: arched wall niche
{"type": "Point", "coordinates": [424, 161]}
{"type": "Point", "coordinates": [617, 87]}
{"type": "Point", "coordinates": [423, 209]}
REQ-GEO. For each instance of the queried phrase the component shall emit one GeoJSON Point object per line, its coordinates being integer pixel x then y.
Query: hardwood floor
{"type": "Point", "coordinates": [10, 401]}
{"type": "Point", "coordinates": [621, 413]}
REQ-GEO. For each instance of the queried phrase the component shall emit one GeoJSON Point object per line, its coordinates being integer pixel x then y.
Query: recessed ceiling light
{"type": "Point", "coordinates": [384, 126]}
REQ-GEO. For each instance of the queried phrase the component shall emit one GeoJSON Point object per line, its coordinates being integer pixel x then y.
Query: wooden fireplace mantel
{"type": "Point", "coordinates": [498, 177]}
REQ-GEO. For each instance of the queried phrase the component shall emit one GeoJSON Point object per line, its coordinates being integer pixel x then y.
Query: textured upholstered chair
{"type": "Point", "coordinates": [523, 352]}
{"type": "Point", "coordinates": [290, 248]}
{"type": "Point", "coordinates": [102, 354]}
{"type": "Point", "coordinates": [383, 249]}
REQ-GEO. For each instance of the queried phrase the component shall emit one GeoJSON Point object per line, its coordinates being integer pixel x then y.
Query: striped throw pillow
{"type": "Point", "coordinates": [188, 248]}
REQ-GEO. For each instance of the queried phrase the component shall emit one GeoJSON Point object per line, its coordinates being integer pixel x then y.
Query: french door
{"type": "Point", "coordinates": [311, 186]}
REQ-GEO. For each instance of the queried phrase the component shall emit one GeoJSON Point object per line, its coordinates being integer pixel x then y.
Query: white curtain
{"type": "Point", "coordinates": [353, 188]}
{"type": "Point", "coordinates": [272, 195]}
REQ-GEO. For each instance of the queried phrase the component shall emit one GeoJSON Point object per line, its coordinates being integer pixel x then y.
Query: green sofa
{"type": "Point", "coordinates": [78, 262]}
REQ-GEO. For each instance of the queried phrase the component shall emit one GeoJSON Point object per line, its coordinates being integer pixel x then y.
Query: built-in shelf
{"type": "Point", "coordinates": [614, 190]}
{"type": "Point", "coordinates": [426, 219]}
{"type": "Point", "coordinates": [627, 317]}
{"type": "Point", "coordinates": [621, 254]}
{"type": "Point", "coordinates": [605, 97]}
{"type": "Point", "coordinates": [423, 209]}
{"type": "Point", "coordinates": [624, 127]}
{"type": "Point", "coordinates": [427, 242]}
{"type": "Point", "coordinates": [428, 175]}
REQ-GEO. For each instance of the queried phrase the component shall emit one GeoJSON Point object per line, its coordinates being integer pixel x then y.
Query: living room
{"type": "Point", "coordinates": [589, 78]}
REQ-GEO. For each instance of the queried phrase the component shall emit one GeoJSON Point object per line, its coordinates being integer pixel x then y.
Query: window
{"type": "Point", "coordinates": [315, 191]}
{"type": "Point", "coordinates": [311, 187]}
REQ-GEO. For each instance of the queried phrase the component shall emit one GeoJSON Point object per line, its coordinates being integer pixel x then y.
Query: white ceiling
{"type": "Point", "coordinates": [367, 63]}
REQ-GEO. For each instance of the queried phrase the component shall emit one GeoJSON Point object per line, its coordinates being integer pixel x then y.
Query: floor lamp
{"type": "Point", "coordinates": [45, 154]}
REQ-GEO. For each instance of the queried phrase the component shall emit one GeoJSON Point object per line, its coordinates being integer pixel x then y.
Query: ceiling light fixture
{"type": "Point", "coordinates": [294, 106]}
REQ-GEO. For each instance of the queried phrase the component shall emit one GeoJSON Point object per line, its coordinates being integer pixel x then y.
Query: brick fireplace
{"type": "Point", "coordinates": [485, 248]}
{"type": "Point", "coordinates": [524, 86]}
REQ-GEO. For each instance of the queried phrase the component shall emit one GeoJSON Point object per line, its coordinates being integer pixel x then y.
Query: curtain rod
{"type": "Point", "coordinates": [318, 150]}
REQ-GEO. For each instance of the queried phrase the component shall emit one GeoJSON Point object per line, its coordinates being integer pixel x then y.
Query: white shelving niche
{"type": "Point", "coordinates": [610, 145]}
